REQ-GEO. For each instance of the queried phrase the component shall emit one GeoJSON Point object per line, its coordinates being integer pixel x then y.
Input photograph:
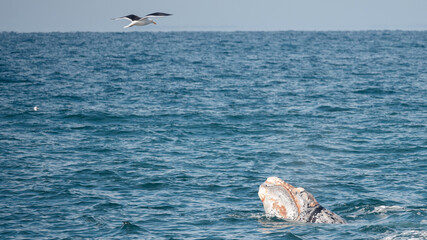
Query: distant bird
{"type": "Point", "coordinates": [141, 21]}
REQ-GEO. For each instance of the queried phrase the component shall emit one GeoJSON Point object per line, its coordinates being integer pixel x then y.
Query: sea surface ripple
{"type": "Point", "coordinates": [168, 135]}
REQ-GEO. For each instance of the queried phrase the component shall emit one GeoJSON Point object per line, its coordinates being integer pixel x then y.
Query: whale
{"type": "Point", "coordinates": [284, 201]}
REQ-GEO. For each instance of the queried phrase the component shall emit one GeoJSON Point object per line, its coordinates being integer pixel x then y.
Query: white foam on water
{"type": "Point", "coordinates": [385, 209]}
{"type": "Point", "coordinates": [410, 234]}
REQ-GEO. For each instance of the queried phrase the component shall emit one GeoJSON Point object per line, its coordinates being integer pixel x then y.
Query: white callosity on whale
{"type": "Point", "coordinates": [285, 201]}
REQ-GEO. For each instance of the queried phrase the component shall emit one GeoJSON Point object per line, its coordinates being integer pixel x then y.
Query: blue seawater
{"type": "Point", "coordinates": [168, 135]}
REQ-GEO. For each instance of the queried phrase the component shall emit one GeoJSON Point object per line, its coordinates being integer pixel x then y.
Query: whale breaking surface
{"type": "Point", "coordinates": [282, 200]}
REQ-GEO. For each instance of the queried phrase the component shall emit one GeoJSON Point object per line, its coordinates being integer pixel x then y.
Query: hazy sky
{"type": "Point", "coordinates": [225, 15]}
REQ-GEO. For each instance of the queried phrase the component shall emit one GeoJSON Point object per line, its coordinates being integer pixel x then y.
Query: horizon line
{"type": "Point", "coordinates": [213, 30]}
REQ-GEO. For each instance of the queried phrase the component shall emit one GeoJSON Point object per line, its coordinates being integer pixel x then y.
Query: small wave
{"type": "Point", "coordinates": [375, 229]}
{"type": "Point", "coordinates": [107, 206]}
{"type": "Point", "coordinates": [130, 228]}
{"type": "Point", "coordinates": [99, 222]}
{"type": "Point", "coordinates": [410, 234]}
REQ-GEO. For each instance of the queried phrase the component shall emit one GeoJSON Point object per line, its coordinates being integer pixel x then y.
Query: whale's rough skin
{"type": "Point", "coordinates": [285, 201]}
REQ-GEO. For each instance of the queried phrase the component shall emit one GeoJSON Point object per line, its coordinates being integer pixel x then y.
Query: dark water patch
{"type": "Point", "coordinates": [95, 117]}
{"type": "Point", "coordinates": [333, 109]}
{"type": "Point", "coordinates": [374, 91]}
{"type": "Point", "coordinates": [152, 186]}
{"type": "Point", "coordinates": [162, 207]}
{"type": "Point", "coordinates": [71, 98]}
{"type": "Point", "coordinates": [365, 73]}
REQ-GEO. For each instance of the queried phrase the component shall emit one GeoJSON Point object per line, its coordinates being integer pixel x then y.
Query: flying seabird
{"type": "Point", "coordinates": [141, 21]}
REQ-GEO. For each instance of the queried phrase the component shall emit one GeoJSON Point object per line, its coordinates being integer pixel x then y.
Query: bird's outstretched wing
{"type": "Point", "coordinates": [157, 14]}
{"type": "Point", "coordinates": [129, 17]}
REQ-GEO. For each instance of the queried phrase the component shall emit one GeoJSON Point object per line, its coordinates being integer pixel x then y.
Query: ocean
{"type": "Point", "coordinates": [168, 135]}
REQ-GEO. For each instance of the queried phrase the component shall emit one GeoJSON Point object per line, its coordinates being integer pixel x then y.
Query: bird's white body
{"type": "Point", "coordinates": [141, 22]}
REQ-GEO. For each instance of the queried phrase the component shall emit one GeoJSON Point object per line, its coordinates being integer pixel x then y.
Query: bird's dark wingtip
{"type": "Point", "coordinates": [159, 14]}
